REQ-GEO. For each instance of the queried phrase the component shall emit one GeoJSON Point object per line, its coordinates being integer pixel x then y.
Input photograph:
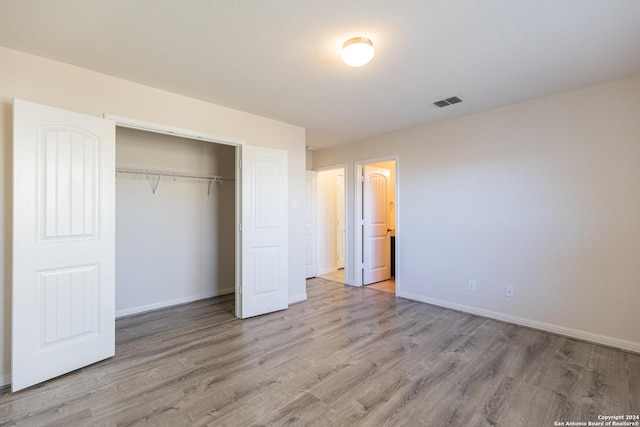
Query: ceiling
{"type": "Point", "coordinates": [281, 58]}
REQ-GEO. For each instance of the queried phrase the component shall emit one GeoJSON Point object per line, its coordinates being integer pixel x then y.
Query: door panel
{"type": "Point", "coordinates": [67, 183]}
{"type": "Point", "coordinates": [69, 303]}
{"type": "Point", "coordinates": [63, 242]}
{"type": "Point", "coordinates": [376, 238]}
{"type": "Point", "coordinates": [265, 285]}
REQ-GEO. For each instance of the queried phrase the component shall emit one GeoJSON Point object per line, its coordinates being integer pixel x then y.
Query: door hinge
{"type": "Point", "coordinates": [362, 221]}
{"type": "Point", "coordinates": [362, 179]}
{"type": "Point", "coordinates": [362, 266]}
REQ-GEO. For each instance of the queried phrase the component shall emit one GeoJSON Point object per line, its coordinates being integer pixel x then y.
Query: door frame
{"type": "Point", "coordinates": [142, 125]}
{"type": "Point", "coordinates": [347, 256]}
{"type": "Point", "coordinates": [357, 220]}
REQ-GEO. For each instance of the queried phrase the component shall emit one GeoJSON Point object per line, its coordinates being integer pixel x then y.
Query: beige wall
{"type": "Point", "coordinates": [57, 84]}
{"type": "Point", "coordinates": [543, 196]}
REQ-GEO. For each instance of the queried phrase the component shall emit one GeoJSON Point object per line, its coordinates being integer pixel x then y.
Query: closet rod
{"type": "Point", "coordinates": [174, 174]}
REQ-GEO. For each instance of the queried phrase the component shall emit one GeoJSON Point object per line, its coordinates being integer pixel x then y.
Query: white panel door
{"type": "Point", "coordinates": [63, 242]}
{"type": "Point", "coordinates": [310, 225]}
{"type": "Point", "coordinates": [340, 221]}
{"type": "Point", "coordinates": [265, 286]}
{"type": "Point", "coordinates": [376, 240]}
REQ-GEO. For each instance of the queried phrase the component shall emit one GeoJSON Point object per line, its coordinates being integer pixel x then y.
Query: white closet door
{"type": "Point", "coordinates": [264, 231]}
{"type": "Point", "coordinates": [63, 242]}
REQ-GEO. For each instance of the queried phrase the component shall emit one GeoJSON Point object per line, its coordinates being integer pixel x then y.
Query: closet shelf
{"type": "Point", "coordinates": [157, 174]}
{"type": "Point", "coordinates": [214, 178]}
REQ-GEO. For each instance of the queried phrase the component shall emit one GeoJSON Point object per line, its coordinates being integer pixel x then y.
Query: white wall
{"type": "Point", "coordinates": [61, 85]}
{"type": "Point", "coordinates": [327, 220]}
{"type": "Point", "coordinates": [309, 160]}
{"type": "Point", "coordinates": [178, 244]}
{"type": "Point", "coordinates": [541, 195]}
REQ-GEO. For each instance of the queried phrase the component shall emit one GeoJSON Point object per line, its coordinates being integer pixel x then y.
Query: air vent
{"type": "Point", "coordinates": [447, 102]}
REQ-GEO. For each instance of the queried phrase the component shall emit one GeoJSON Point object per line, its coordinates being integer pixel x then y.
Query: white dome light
{"type": "Point", "coordinates": [357, 51]}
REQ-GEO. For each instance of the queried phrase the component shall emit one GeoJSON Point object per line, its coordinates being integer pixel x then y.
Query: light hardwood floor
{"type": "Point", "coordinates": [346, 357]}
{"type": "Point", "coordinates": [388, 286]}
{"type": "Point", "coordinates": [336, 276]}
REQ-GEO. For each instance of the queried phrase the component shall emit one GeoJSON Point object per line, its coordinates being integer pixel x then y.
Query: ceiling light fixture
{"type": "Point", "coordinates": [357, 51]}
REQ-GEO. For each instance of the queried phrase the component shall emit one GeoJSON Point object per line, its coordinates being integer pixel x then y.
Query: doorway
{"type": "Point", "coordinates": [376, 214]}
{"type": "Point", "coordinates": [331, 224]}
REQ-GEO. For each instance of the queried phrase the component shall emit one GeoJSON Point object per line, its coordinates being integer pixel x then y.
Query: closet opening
{"type": "Point", "coordinates": [176, 203]}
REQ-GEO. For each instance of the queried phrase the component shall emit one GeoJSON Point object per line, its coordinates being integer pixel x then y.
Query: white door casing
{"type": "Point", "coordinates": [310, 225]}
{"type": "Point", "coordinates": [264, 231]}
{"type": "Point", "coordinates": [63, 315]}
{"type": "Point", "coordinates": [376, 240]}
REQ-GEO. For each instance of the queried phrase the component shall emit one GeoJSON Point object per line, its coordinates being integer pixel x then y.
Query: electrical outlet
{"type": "Point", "coordinates": [509, 292]}
{"type": "Point", "coordinates": [471, 285]}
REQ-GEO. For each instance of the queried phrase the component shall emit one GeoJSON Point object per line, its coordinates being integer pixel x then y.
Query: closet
{"type": "Point", "coordinates": [175, 210]}
{"type": "Point", "coordinates": [180, 235]}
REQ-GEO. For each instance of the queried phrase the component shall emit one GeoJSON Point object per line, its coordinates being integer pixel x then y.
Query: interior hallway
{"type": "Point", "coordinates": [388, 286]}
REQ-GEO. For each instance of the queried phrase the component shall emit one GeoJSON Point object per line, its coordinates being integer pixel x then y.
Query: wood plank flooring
{"type": "Point", "coordinates": [388, 286]}
{"type": "Point", "coordinates": [346, 357]}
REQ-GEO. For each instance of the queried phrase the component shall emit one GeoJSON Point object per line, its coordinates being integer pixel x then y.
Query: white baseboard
{"type": "Point", "coordinates": [165, 304]}
{"type": "Point", "coordinates": [327, 270]}
{"type": "Point", "coordinates": [297, 298]}
{"type": "Point", "coordinates": [5, 379]}
{"type": "Point", "coordinates": [534, 324]}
